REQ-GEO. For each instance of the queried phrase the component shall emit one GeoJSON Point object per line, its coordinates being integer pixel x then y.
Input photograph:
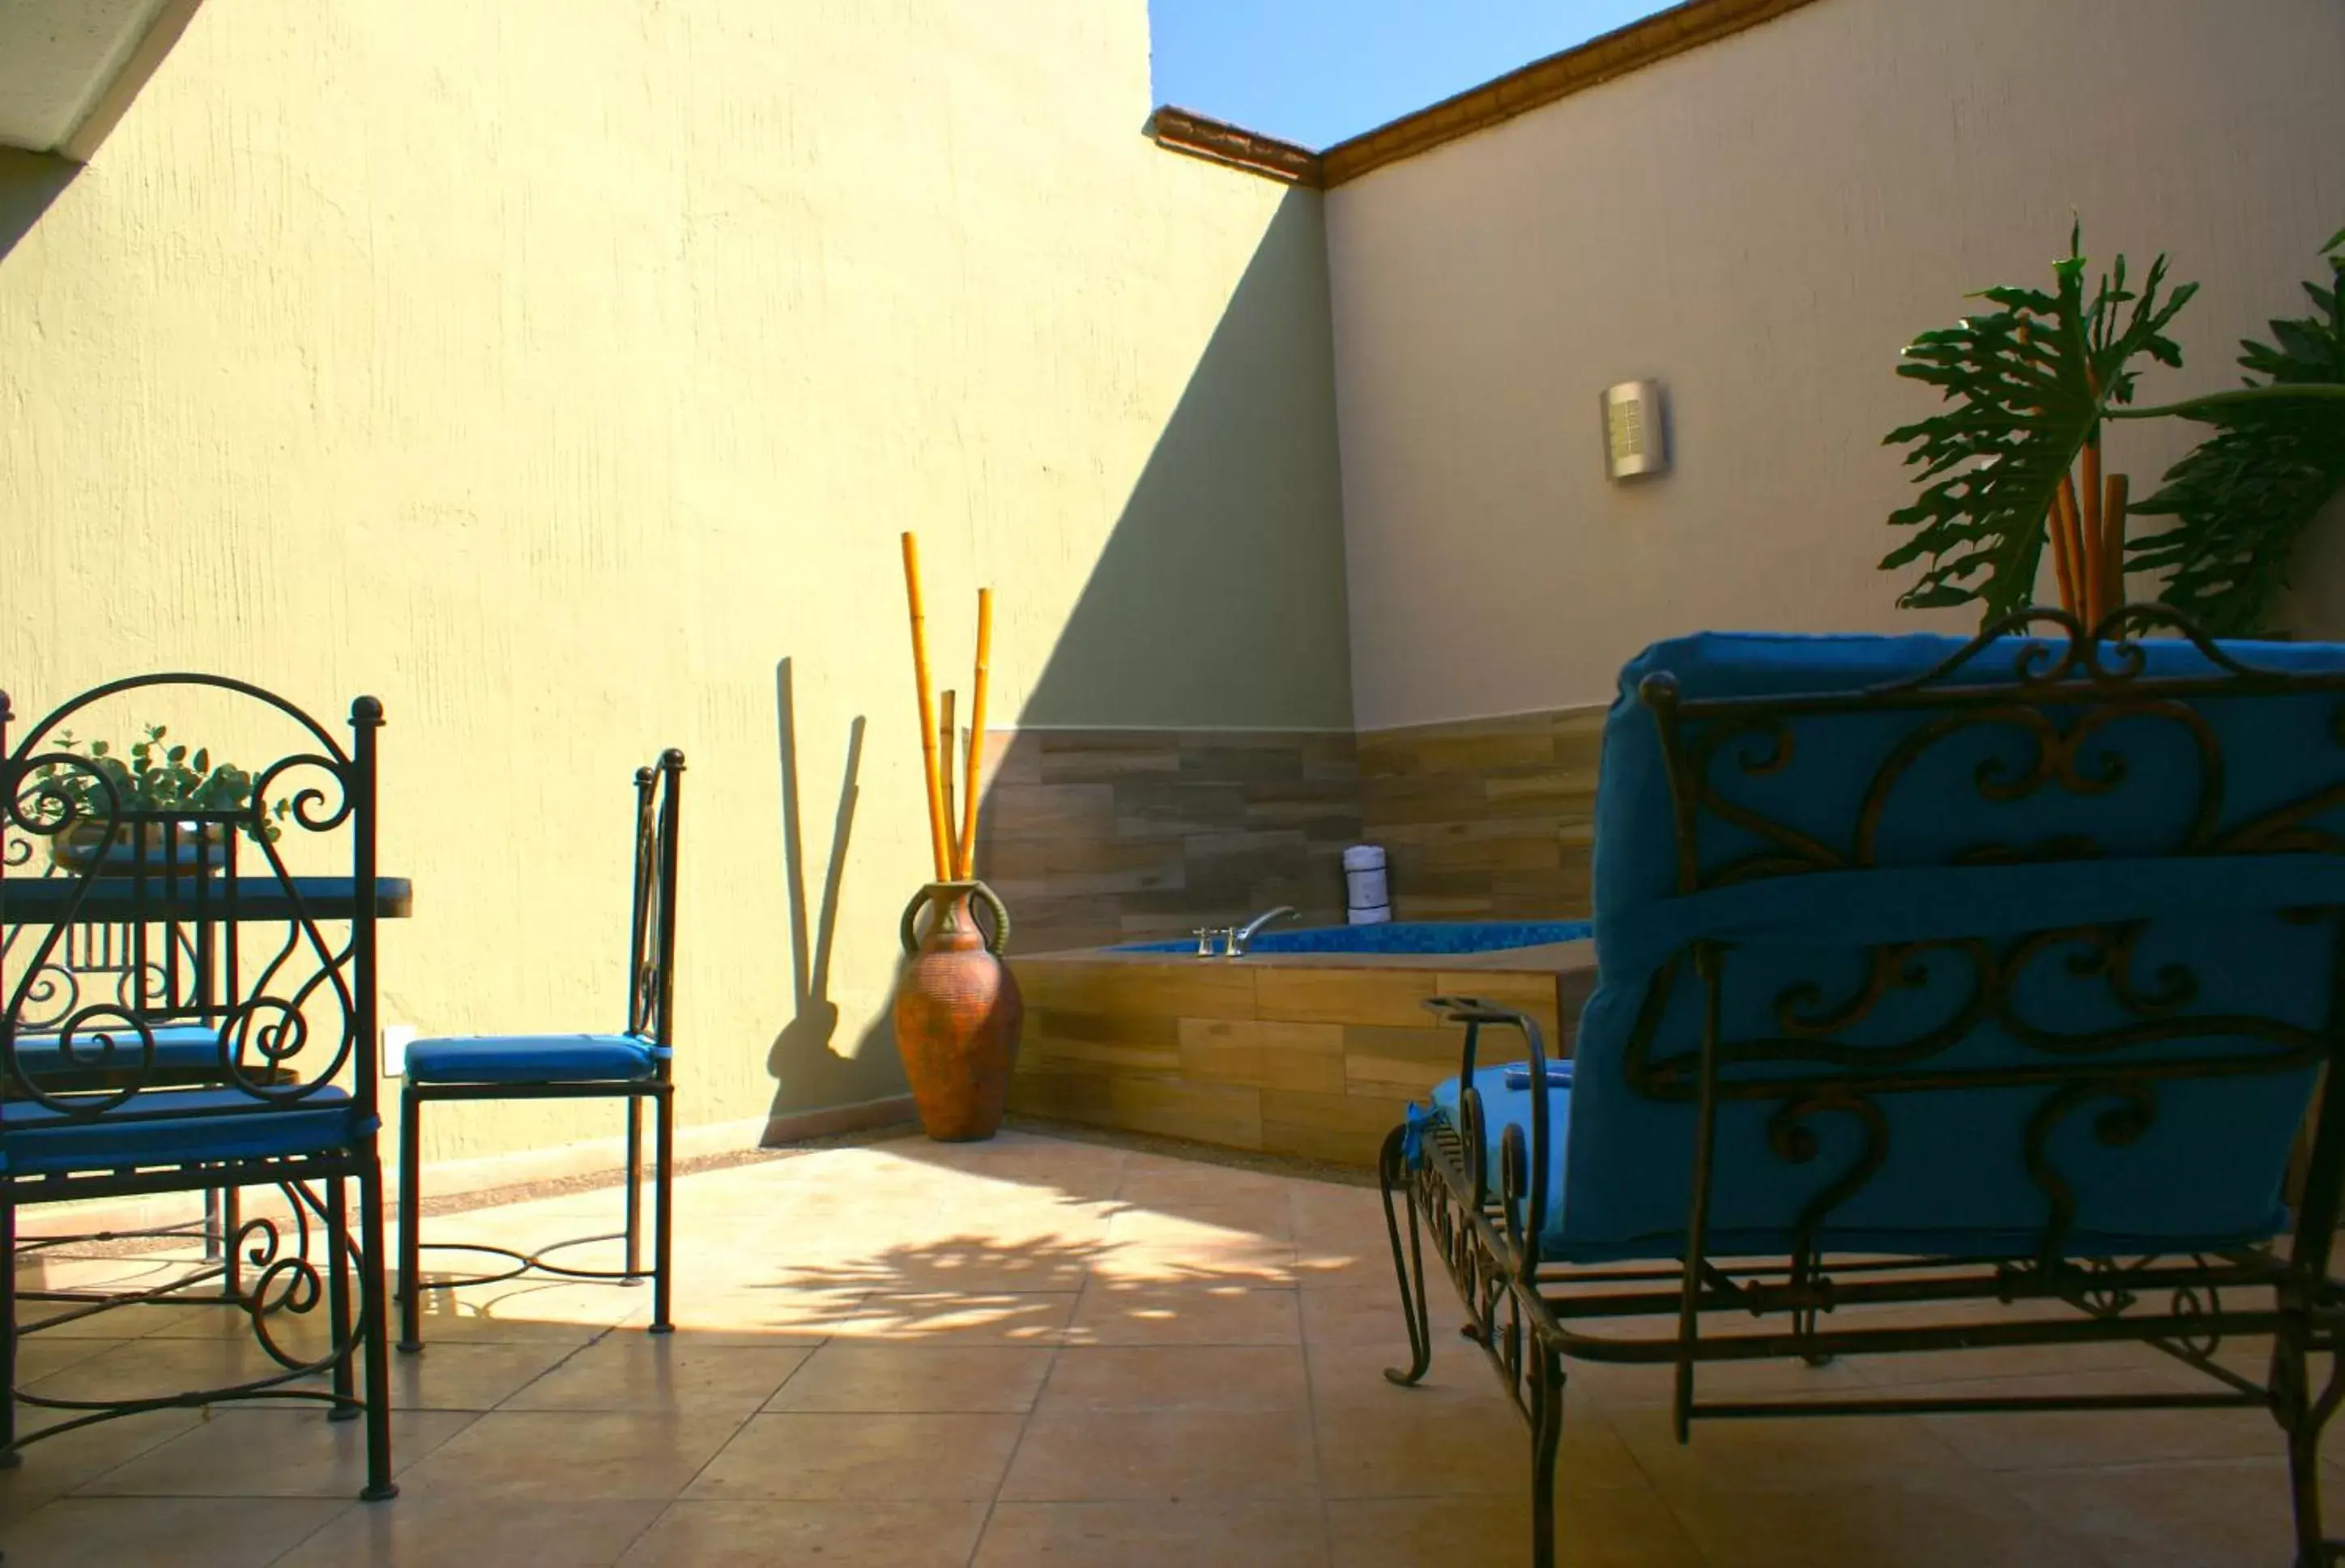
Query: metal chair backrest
{"type": "Point", "coordinates": [2025, 947]}
{"type": "Point", "coordinates": [651, 941]}
{"type": "Point", "coordinates": [279, 962]}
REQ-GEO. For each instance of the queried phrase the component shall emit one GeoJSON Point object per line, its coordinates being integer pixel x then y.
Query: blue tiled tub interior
{"type": "Point", "coordinates": [1399, 936]}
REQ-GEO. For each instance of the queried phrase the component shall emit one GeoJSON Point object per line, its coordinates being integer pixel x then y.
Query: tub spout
{"type": "Point", "coordinates": [1241, 937]}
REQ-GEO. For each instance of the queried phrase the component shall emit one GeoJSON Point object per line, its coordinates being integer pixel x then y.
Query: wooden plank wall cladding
{"type": "Point", "coordinates": [1314, 1061]}
{"type": "Point", "coordinates": [1488, 818]}
{"type": "Point", "coordinates": [1094, 837]}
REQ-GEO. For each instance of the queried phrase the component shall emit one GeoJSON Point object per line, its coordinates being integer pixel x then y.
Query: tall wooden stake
{"type": "Point", "coordinates": [975, 733]}
{"type": "Point", "coordinates": [947, 770]}
{"type": "Point", "coordinates": [2057, 525]}
{"type": "Point", "coordinates": [937, 838]}
{"type": "Point", "coordinates": [2113, 533]}
{"type": "Point", "coordinates": [2070, 529]}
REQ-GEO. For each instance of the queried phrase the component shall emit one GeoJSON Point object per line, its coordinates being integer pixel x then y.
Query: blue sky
{"type": "Point", "coordinates": [1317, 71]}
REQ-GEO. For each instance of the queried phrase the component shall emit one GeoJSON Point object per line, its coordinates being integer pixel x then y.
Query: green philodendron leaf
{"type": "Point", "coordinates": [2030, 384]}
{"type": "Point", "coordinates": [2243, 499]}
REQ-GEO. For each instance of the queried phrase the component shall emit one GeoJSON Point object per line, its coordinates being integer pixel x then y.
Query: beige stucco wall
{"type": "Point", "coordinates": [1762, 224]}
{"type": "Point", "coordinates": [556, 372]}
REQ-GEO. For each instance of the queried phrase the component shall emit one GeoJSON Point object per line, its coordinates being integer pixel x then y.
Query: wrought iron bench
{"type": "Point", "coordinates": [1938, 977]}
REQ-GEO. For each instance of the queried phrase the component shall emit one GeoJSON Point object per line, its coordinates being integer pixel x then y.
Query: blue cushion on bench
{"type": "Point", "coordinates": [2205, 1171]}
{"type": "Point", "coordinates": [177, 1047]}
{"type": "Point", "coordinates": [531, 1060]}
{"type": "Point", "coordinates": [176, 1126]}
{"type": "Point", "coordinates": [1507, 1099]}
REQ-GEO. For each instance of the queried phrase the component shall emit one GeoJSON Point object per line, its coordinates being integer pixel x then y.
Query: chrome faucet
{"type": "Point", "coordinates": [1206, 936]}
{"type": "Point", "coordinates": [1245, 934]}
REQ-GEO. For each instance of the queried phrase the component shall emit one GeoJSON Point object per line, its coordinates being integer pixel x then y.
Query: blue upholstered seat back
{"type": "Point", "coordinates": [1886, 887]}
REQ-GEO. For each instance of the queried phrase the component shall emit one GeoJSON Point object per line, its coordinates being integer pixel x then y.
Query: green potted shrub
{"type": "Point", "coordinates": [90, 796]}
{"type": "Point", "coordinates": [2016, 460]}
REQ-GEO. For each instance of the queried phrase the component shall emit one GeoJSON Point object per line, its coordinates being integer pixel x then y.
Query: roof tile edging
{"type": "Point", "coordinates": [1601, 59]}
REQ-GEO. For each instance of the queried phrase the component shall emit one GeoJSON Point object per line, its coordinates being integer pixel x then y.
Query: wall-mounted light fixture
{"type": "Point", "coordinates": [1635, 431]}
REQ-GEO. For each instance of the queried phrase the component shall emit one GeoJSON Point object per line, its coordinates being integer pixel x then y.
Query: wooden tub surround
{"type": "Point", "coordinates": [1311, 1054]}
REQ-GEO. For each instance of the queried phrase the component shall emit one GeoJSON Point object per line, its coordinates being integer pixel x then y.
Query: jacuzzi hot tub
{"type": "Point", "coordinates": [1309, 1046]}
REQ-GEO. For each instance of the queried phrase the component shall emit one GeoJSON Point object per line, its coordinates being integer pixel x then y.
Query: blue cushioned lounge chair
{"type": "Point", "coordinates": [1936, 975]}
{"type": "Point", "coordinates": [260, 1072]}
{"type": "Point", "coordinates": [631, 1066]}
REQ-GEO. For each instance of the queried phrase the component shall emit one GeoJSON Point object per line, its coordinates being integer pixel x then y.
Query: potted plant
{"type": "Point", "coordinates": [2017, 461]}
{"type": "Point", "coordinates": [87, 798]}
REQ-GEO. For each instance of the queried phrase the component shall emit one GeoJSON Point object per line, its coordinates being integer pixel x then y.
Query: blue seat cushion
{"type": "Point", "coordinates": [178, 1048]}
{"type": "Point", "coordinates": [531, 1060]}
{"type": "Point", "coordinates": [1505, 1095]}
{"type": "Point", "coordinates": [176, 1126]}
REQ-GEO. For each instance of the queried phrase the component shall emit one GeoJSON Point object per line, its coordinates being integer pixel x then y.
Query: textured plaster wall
{"type": "Point", "coordinates": [1762, 224]}
{"type": "Point", "coordinates": [554, 372]}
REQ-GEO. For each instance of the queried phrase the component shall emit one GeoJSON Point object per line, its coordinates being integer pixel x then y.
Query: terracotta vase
{"type": "Point", "coordinates": [957, 1013]}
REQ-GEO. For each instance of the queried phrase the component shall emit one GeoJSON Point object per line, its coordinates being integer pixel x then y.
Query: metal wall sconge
{"type": "Point", "coordinates": [1635, 431]}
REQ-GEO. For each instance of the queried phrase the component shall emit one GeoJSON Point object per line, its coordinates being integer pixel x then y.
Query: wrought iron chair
{"type": "Point", "coordinates": [280, 1029]}
{"type": "Point", "coordinates": [632, 1066]}
{"type": "Point", "coordinates": [1936, 975]}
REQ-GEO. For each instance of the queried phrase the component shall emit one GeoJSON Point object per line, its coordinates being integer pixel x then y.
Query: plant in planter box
{"type": "Point", "coordinates": [85, 798]}
{"type": "Point", "coordinates": [2017, 458]}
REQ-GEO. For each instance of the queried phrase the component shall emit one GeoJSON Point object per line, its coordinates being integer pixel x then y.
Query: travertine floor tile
{"type": "Point", "coordinates": [1216, 1532]}
{"type": "Point", "coordinates": [280, 1452]}
{"type": "Point", "coordinates": [862, 1534]}
{"type": "Point", "coordinates": [820, 1458]}
{"type": "Point", "coordinates": [1040, 1351]}
{"type": "Point", "coordinates": [1178, 1376]}
{"type": "Point", "coordinates": [1595, 1528]}
{"type": "Point", "coordinates": [428, 1532]}
{"type": "Point", "coordinates": [850, 1377]}
{"type": "Point", "coordinates": [668, 1373]}
{"type": "Point", "coordinates": [184, 1532]}
{"type": "Point", "coordinates": [548, 1455]}
{"type": "Point", "coordinates": [1189, 1314]}
{"type": "Point", "coordinates": [1164, 1455]}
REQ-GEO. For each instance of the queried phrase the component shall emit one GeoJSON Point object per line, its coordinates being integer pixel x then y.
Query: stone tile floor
{"type": "Point", "coordinates": [1037, 1350]}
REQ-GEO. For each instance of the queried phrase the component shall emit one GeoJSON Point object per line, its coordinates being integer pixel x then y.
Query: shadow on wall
{"type": "Point", "coordinates": [29, 182]}
{"type": "Point", "coordinates": [807, 1072]}
{"type": "Point", "coordinates": [1218, 600]}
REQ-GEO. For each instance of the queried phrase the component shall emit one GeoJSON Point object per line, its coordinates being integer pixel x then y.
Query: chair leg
{"type": "Point", "coordinates": [411, 1221]}
{"type": "Point", "coordinates": [338, 1297]}
{"type": "Point", "coordinates": [215, 1238]}
{"type": "Point", "coordinates": [1392, 1173]}
{"type": "Point", "coordinates": [1547, 1380]}
{"type": "Point", "coordinates": [663, 1208]}
{"type": "Point", "coordinates": [2303, 1416]}
{"type": "Point", "coordinates": [231, 1208]}
{"type": "Point", "coordinates": [374, 1321]}
{"type": "Point", "coordinates": [9, 1456]}
{"type": "Point", "coordinates": [634, 1187]}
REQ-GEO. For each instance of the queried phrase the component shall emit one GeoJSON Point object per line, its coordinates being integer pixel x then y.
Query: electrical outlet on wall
{"type": "Point", "coordinates": [396, 1038]}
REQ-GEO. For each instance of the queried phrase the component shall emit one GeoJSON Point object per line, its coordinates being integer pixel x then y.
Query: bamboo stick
{"type": "Point", "coordinates": [947, 770]}
{"type": "Point", "coordinates": [928, 716]}
{"type": "Point", "coordinates": [2112, 532]}
{"type": "Point", "coordinates": [975, 733]}
{"type": "Point", "coordinates": [2096, 573]}
{"type": "Point", "coordinates": [2064, 512]}
{"type": "Point", "coordinates": [2056, 524]}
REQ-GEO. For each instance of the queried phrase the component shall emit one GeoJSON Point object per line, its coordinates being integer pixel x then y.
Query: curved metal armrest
{"type": "Point", "coordinates": [1522, 1169]}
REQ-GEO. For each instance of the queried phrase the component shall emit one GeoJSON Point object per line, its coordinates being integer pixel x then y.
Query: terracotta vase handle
{"type": "Point", "coordinates": [907, 929]}
{"type": "Point", "coordinates": [1001, 918]}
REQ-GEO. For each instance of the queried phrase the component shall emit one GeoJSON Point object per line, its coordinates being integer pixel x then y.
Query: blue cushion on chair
{"type": "Point", "coordinates": [1506, 1094]}
{"type": "Point", "coordinates": [35, 1140]}
{"type": "Point", "coordinates": [531, 1060]}
{"type": "Point", "coordinates": [2204, 1172]}
{"type": "Point", "coordinates": [177, 1047]}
